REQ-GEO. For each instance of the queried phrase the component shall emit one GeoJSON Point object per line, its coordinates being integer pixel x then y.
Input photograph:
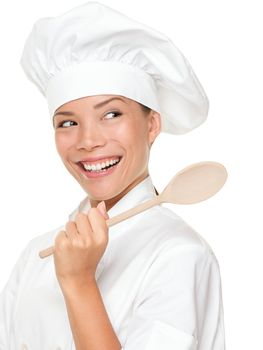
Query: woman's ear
{"type": "Point", "coordinates": [154, 126]}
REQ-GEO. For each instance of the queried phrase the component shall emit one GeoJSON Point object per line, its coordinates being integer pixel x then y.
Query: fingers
{"type": "Point", "coordinates": [69, 234]}
{"type": "Point", "coordinates": [93, 221]}
{"type": "Point", "coordinates": [71, 231]}
{"type": "Point", "coordinates": [102, 208]}
{"type": "Point", "coordinates": [61, 240]}
{"type": "Point", "coordinates": [98, 224]}
{"type": "Point", "coordinates": [86, 227]}
{"type": "Point", "coordinates": [83, 226]}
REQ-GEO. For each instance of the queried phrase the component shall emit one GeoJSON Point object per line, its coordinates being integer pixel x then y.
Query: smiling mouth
{"type": "Point", "coordinates": [100, 167]}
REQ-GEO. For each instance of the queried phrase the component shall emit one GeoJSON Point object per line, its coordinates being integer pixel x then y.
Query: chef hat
{"type": "Point", "coordinates": [95, 50]}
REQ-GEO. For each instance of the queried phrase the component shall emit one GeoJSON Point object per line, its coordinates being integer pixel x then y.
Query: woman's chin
{"type": "Point", "coordinates": [101, 194]}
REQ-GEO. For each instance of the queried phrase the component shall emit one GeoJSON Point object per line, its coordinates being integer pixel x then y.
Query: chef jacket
{"type": "Point", "coordinates": [159, 280]}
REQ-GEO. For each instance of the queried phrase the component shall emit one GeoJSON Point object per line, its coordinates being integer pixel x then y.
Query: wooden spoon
{"type": "Point", "coordinates": [195, 183]}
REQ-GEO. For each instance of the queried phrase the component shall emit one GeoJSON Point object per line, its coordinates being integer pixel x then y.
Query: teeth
{"type": "Point", "coordinates": [100, 166]}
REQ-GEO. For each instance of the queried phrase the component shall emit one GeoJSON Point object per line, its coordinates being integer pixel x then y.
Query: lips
{"type": "Point", "coordinates": [99, 159]}
{"type": "Point", "coordinates": [92, 172]}
{"type": "Point", "coordinates": [99, 164]}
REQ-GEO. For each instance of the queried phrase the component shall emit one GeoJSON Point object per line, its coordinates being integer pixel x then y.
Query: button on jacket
{"type": "Point", "coordinates": [159, 280]}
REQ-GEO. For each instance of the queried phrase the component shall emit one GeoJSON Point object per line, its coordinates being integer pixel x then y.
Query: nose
{"type": "Point", "coordinates": [90, 136]}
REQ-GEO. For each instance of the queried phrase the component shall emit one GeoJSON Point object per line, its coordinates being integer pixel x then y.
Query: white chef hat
{"type": "Point", "coordinates": [95, 50]}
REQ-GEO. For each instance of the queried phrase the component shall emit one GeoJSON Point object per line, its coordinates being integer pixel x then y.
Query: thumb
{"type": "Point", "coordinates": [102, 209]}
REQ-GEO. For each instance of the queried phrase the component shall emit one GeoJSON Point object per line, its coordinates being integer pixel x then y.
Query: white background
{"type": "Point", "coordinates": [223, 42]}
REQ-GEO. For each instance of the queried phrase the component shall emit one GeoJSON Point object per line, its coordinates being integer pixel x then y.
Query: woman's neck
{"type": "Point", "coordinates": [112, 201]}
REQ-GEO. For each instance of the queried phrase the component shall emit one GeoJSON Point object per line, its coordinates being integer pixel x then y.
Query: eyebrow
{"type": "Point", "coordinates": [99, 105]}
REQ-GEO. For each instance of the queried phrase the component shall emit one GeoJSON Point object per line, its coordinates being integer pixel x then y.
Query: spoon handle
{"type": "Point", "coordinates": [133, 211]}
{"type": "Point", "coordinates": [116, 219]}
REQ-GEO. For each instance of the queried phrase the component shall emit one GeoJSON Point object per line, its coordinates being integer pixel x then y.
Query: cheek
{"type": "Point", "coordinates": [134, 139]}
{"type": "Point", "coordinates": [130, 132]}
{"type": "Point", "coordinates": [63, 143]}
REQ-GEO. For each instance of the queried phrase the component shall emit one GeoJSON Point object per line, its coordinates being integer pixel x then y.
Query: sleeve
{"type": "Point", "coordinates": [8, 297]}
{"type": "Point", "coordinates": [179, 303]}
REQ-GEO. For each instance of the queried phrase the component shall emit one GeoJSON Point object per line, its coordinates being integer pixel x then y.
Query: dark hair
{"type": "Point", "coordinates": [145, 108]}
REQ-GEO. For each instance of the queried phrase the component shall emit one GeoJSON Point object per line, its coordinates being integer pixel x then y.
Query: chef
{"type": "Point", "coordinates": [150, 282]}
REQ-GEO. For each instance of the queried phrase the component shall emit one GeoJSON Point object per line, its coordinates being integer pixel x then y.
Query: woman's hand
{"type": "Point", "coordinates": [78, 250]}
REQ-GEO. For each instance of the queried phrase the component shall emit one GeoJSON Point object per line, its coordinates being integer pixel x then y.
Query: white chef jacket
{"type": "Point", "coordinates": [159, 280]}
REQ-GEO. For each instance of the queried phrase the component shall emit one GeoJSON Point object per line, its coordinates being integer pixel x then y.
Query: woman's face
{"type": "Point", "coordinates": [94, 130]}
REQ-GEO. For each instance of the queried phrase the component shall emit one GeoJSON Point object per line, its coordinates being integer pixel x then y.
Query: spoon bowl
{"type": "Point", "coordinates": [195, 183]}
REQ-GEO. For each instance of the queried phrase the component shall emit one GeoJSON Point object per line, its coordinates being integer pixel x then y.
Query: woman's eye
{"type": "Point", "coordinates": [112, 115]}
{"type": "Point", "coordinates": [65, 123]}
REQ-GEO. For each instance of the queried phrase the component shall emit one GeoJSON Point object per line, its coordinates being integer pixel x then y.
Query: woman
{"type": "Point", "coordinates": [150, 282]}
